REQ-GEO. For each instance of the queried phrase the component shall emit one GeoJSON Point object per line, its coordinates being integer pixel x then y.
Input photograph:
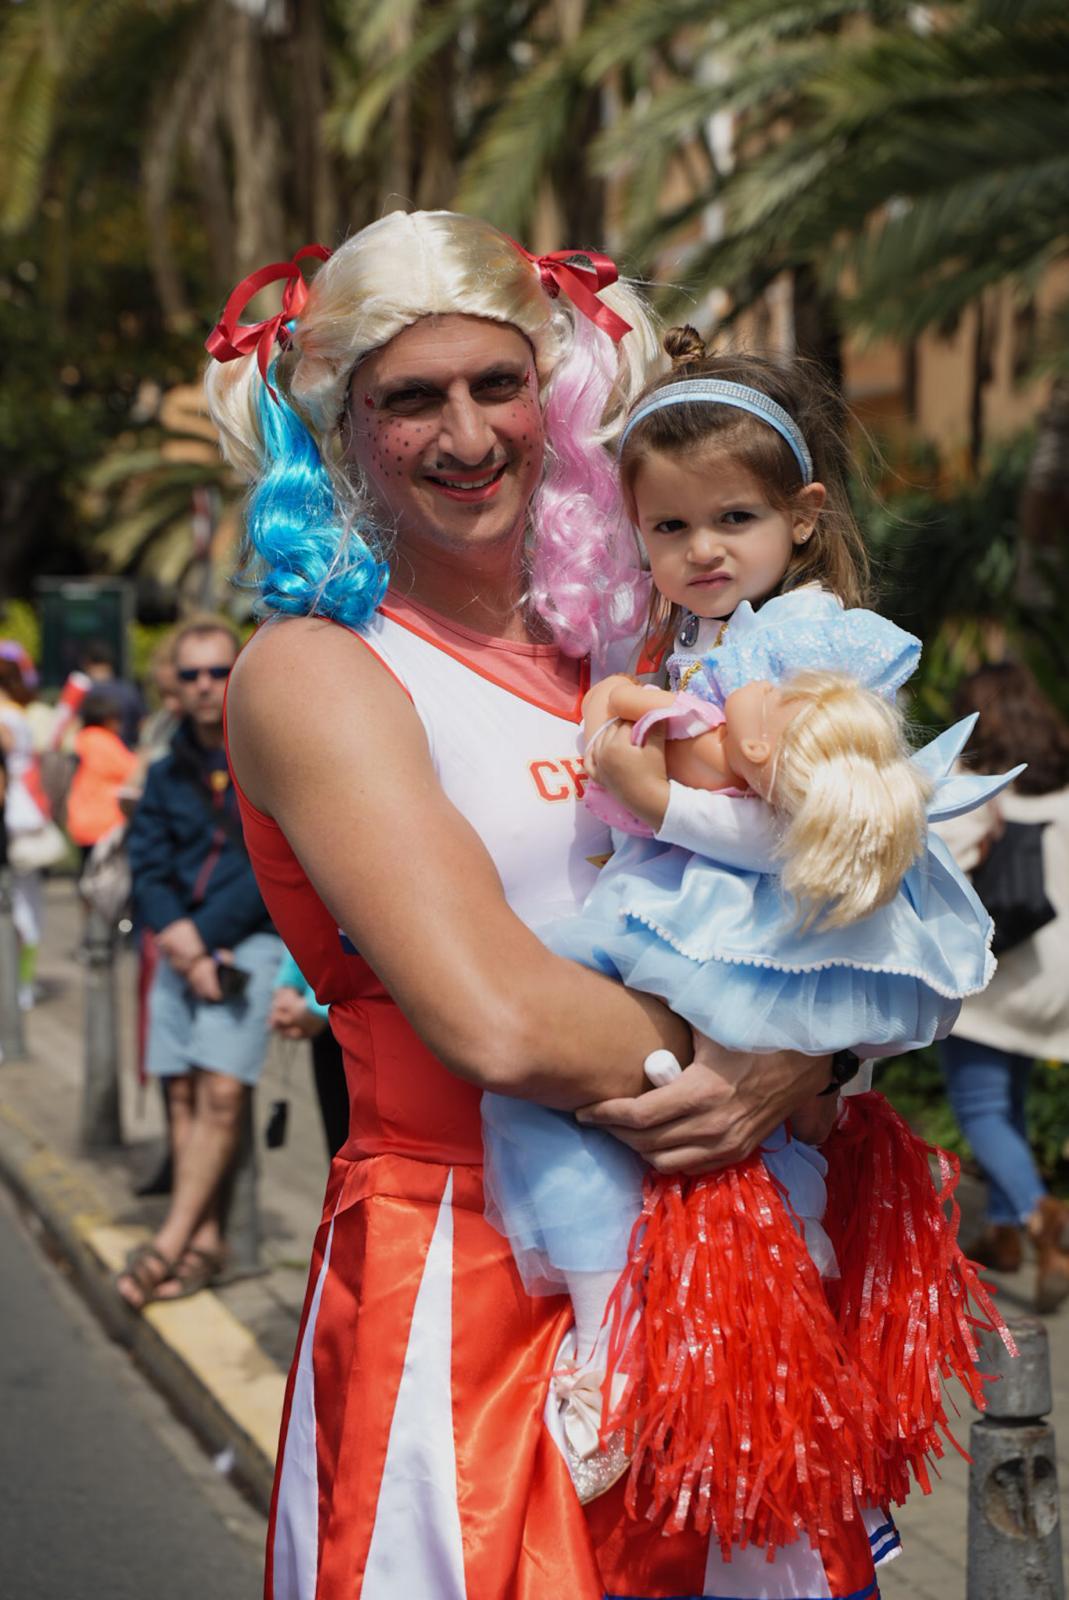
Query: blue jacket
{"type": "Point", "coordinates": [186, 850]}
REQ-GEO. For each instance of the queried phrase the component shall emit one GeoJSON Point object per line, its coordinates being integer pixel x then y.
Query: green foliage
{"type": "Point", "coordinates": [921, 163]}
{"type": "Point", "coordinates": [143, 502]}
{"type": "Point", "coordinates": [79, 320]}
{"type": "Point", "coordinates": [18, 621]}
{"type": "Point", "coordinates": [914, 1085]}
{"type": "Point", "coordinates": [946, 562]}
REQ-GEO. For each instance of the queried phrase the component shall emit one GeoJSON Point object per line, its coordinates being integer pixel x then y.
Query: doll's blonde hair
{"type": "Point", "coordinates": [854, 801]}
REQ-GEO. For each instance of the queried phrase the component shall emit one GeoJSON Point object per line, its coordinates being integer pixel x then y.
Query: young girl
{"type": "Point", "coordinates": [779, 891]}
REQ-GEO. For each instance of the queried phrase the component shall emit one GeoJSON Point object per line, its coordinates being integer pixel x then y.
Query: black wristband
{"type": "Point", "coordinates": [845, 1065]}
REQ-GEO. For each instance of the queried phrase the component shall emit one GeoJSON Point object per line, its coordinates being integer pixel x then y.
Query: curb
{"type": "Point", "coordinates": [196, 1352]}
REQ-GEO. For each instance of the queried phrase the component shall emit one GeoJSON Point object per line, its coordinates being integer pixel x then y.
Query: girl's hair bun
{"type": "Point", "coordinates": [684, 345]}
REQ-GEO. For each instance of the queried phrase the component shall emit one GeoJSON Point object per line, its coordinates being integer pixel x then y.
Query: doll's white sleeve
{"type": "Point", "coordinates": [737, 832]}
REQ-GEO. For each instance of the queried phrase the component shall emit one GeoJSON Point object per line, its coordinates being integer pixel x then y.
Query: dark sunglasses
{"type": "Point", "coordinates": [191, 674]}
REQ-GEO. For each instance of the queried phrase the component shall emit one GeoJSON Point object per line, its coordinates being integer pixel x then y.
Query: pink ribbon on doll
{"type": "Point", "coordinates": [686, 718]}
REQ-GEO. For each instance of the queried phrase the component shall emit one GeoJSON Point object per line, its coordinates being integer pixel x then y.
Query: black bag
{"type": "Point", "coordinates": [1009, 881]}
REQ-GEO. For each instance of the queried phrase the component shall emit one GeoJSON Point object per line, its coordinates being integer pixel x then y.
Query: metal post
{"type": "Point", "coordinates": [243, 1205]}
{"type": "Point", "coordinates": [1015, 1546]}
{"type": "Point", "coordinates": [101, 1128]}
{"type": "Point", "coordinates": [12, 1034]}
{"type": "Point", "coordinates": [12, 1039]}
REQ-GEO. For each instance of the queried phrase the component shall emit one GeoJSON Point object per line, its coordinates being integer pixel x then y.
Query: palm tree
{"type": "Point", "coordinates": [901, 164]}
{"type": "Point", "coordinates": [200, 92]}
{"type": "Point", "coordinates": [165, 507]}
{"type": "Point", "coordinates": [489, 105]}
{"type": "Point", "coordinates": [145, 169]}
{"type": "Point", "coordinates": [683, 93]}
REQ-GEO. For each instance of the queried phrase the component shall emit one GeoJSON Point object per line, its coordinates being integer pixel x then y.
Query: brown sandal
{"type": "Point", "coordinates": [1049, 1230]}
{"type": "Point", "coordinates": [195, 1270]}
{"type": "Point", "coordinates": [139, 1271]}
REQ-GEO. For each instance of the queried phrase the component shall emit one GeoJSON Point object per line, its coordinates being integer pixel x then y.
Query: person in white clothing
{"type": "Point", "coordinates": [23, 816]}
{"type": "Point", "coordinates": [1024, 1012]}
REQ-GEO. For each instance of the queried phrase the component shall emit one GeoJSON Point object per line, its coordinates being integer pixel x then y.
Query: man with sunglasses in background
{"type": "Point", "coordinates": [208, 1005]}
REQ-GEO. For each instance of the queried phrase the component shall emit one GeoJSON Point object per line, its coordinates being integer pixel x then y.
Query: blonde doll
{"type": "Point", "coordinates": [749, 1396]}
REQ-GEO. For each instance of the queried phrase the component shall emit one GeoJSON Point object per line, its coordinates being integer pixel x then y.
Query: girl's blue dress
{"type": "Point", "coordinates": [723, 948]}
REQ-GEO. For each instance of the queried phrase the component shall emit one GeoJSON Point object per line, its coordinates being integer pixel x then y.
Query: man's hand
{"type": "Point", "coordinates": [717, 1112]}
{"type": "Point", "coordinates": [181, 944]}
{"type": "Point", "coordinates": [291, 1017]}
{"type": "Point", "coordinates": [203, 979]}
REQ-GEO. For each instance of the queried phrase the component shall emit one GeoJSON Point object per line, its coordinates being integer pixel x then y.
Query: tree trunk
{"type": "Point", "coordinates": [157, 178]}
{"type": "Point", "coordinates": [317, 197]}
{"type": "Point", "coordinates": [395, 191]}
{"type": "Point", "coordinates": [208, 160]}
{"type": "Point", "coordinates": [983, 330]}
{"type": "Point", "coordinates": [257, 146]}
{"type": "Point", "coordinates": [1044, 546]}
{"type": "Point", "coordinates": [438, 167]}
{"type": "Point", "coordinates": [817, 334]}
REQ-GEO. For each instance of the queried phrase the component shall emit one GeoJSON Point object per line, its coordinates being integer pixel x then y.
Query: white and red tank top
{"type": "Point", "coordinates": [503, 722]}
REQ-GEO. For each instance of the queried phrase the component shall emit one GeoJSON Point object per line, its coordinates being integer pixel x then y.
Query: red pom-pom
{"type": "Point", "coordinates": [744, 1411]}
{"type": "Point", "coordinates": [902, 1300]}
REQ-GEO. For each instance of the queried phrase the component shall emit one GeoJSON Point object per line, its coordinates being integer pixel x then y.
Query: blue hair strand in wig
{"type": "Point", "coordinates": [311, 563]}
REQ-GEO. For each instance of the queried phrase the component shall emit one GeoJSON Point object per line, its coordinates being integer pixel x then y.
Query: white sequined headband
{"type": "Point", "coordinates": [716, 391]}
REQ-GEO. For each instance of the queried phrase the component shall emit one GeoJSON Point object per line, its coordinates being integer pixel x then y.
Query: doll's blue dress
{"type": "Point", "coordinates": [723, 947]}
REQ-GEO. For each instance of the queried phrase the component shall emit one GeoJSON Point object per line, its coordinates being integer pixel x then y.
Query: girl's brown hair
{"type": "Point", "coordinates": [834, 555]}
{"type": "Point", "coordinates": [1017, 723]}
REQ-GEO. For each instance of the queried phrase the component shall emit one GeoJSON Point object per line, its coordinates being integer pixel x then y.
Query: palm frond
{"type": "Point", "coordinates": [760, 92]}
{"type": "Point", "coordinates": [350, 126]}
{"type": "Point", "coordinates": [375, 26]}
{"type": "Point", "coordinates": [1020, 209]}
{"type": "Point", "coordinates": [501, 179]}
{"type": "Point", "coordinates": [29, 113]}
{"type": "Point", "coordinates": [760, 24]}
{"type": "Point", "coordinates": [624, 34]}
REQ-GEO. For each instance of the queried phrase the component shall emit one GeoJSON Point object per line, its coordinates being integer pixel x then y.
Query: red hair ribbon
{"type": "Point", "coordinates": [230, 339]}
{"type": "Point", "coordinates": [559, 272]}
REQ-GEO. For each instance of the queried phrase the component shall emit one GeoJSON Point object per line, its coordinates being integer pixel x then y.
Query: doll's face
{"type": "Point", "coordinates": [446, 426]}
{"type": "Point", "coordinates": [757, 716]}
{"type": "Point", "coordinates": [712, 536]}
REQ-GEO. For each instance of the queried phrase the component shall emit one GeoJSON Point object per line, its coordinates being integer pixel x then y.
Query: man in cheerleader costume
{"type": "Point", "coordinates": [439, 541]}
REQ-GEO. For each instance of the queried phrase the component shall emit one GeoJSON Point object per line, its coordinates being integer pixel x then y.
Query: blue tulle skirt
{"type": "Point", "coordinates": [723, 949]}
{"type": "Point", "coordinates": [567, 1197]}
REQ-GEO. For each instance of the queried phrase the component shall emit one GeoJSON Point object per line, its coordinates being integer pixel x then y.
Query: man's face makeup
{"type": "Point", "coordinates": [446, 426]}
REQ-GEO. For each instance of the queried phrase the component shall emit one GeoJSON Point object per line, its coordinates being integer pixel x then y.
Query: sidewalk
{"type": "Point", "coordinates": [221, 1356]}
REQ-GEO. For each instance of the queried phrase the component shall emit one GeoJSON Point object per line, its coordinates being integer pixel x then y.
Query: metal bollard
{"type": "Point", "coordinates": [12, 1034]}
{"type": "Point", "coordinates": [101, 1128]}
{"type": "Point", "coordinates": [243, 1205]}
{"type": "Point", "coordinates": [1015, 1546]}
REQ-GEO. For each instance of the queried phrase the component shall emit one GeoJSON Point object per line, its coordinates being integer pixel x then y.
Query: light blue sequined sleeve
{"type": "Point", "coordinates": [806, 630]}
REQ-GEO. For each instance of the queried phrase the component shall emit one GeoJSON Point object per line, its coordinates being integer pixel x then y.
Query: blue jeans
{"type": "Point", "coordinates": [988, 1090]}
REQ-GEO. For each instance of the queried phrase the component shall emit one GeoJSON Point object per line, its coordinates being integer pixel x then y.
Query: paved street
{"type": "Point", "coordinates": [46, 1093]}
{"type": "Point", "coordinates": [105, 1496]}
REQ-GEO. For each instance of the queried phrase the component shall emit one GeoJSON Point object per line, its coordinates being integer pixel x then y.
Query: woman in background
{"type": "Point", "coordinates": [105, 765]}
{"type": "Point", "coordinates": [1024, 1012]}
{"type": "Point", "coordinates": [23, 815]}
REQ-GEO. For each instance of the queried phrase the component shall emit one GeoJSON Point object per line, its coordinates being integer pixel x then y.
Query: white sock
{"type": "Point", "coordinates": [590, 1293]}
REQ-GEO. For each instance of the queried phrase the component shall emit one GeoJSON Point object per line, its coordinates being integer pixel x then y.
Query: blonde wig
{"type": "Point", "coordinates": [395, 272]}
{"type": "Point", "coordinates": [854, 802]}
